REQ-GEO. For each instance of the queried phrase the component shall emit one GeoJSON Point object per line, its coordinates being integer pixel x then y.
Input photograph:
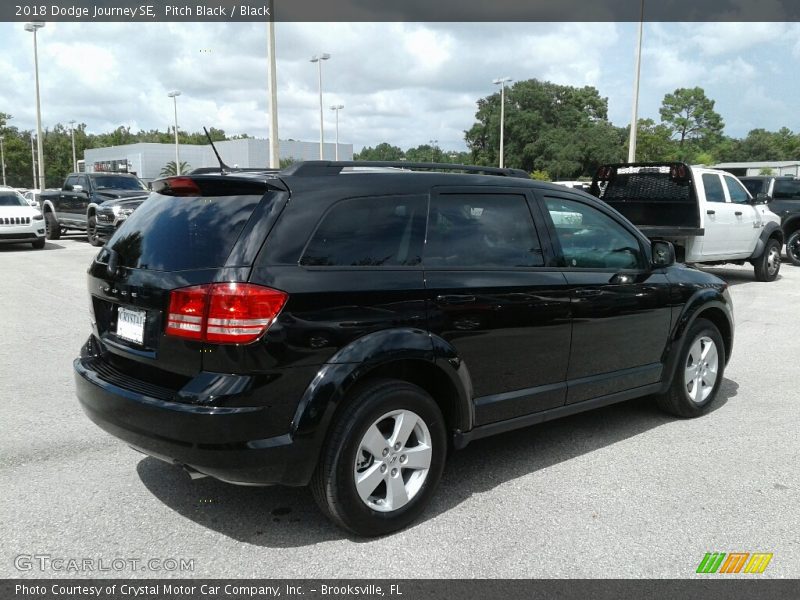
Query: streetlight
{"type": "Point", "coordinates": [3, 157]}
{"type": "Point", "coordinates": [318, 58]}
{"type": "Point", "coordinates": [336, 108]}
{"type": "Point", "coordinates": [33, 162]}
{"type": "Point", "coordinates": [502, 81]}
{"type": "Point", "coordinates": [635, 107]}
{"type": "Point", "coordinates": [174, 95]}
{"type": "Point", "coordinates": [274, 148]}
{"type": "Point", "coordinates": [33, 27]}
{"type": "Point", "coordinates": [74, 157]}
{"type": "Point", "coordinates": [433, 149]}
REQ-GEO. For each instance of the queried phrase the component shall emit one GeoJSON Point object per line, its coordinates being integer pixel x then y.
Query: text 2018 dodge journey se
{"type": "Point", "coordinates": [345, 328]}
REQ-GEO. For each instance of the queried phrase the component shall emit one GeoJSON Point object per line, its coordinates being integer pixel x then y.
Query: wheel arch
{"type": "Point", "coordinates": [771, 231]}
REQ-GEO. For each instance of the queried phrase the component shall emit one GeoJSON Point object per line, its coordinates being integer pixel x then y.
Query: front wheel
{"type": "Point", "coordinates": [793, 247]}
{"type": "Point", "coordinates": [38, 244]}
{"type": "Point", "coordinates": [383, 459]}
{"type": "Point", "coordinates": [768, 264]}
{"type": "Point", "coordinates": [51, 226]}
{"type": "Point", "coordinates": [91, 232]}
{"type": "Point", "coordinates": [699, 373]}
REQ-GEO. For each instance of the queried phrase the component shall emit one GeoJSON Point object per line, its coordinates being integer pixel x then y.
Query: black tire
{"type": "Point", "coordinates": [51, 226]}
{"type": "Point", "coordinates": [793, 247]}
{"type": "Point", "coordinates": [676, 400]}
{"type": "Point", "coordinates": [768, 265]}
{"type": "Point", "coordinates": [334, 482]}
{"type": "Point", "coordinates": [38, 244]}
{"type": "Point", "coordinates": [91, 232]}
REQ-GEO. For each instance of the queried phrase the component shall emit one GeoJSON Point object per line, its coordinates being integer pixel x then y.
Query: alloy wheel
{"type": "Point", "coordinates": [702, 366]}
{"type": "Point", "coordinates": [393, 460]}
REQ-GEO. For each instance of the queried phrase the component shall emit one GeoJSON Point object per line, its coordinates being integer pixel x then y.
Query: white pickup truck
{"type": "Point", "coordinates": [707, 214]}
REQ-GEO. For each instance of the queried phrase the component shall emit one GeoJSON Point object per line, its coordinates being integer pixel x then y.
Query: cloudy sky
{"type": "Point", "coordinates": [405, 83]}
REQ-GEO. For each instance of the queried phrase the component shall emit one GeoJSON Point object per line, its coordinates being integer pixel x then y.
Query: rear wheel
{"type": "Point", "coordinates": [383, 459]}
{"type": "Point", "coordinates": [699, 373]}
{"type": "Point", "coordinates": [51, 226]}
{"type": "Point", "coordinates": [38, 244]}
{"type": "Point", "coordinates": [768, 264]}
{"type": "Point", "coordinates": [91, 232]}
{"type": "Point", "coordinates": [793, 247]}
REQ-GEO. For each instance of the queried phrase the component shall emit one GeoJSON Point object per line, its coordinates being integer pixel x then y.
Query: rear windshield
{"type": "Point", "coordinates": [169, 233]}
{"type": "Point", "coordinates": [644, 183]}
{"type": "Point", "coordinates": [754, 186]}
{"type": "Point", "coordinates": [109, 182]}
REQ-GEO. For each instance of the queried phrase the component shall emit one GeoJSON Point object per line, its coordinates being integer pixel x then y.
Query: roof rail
{"type": "Point", "coordinates": [321, 168]}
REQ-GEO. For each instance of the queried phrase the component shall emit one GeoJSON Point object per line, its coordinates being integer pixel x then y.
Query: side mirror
{"type": "Point", "coordinates": [77, 189]}
{"type": "Point", "coordinates": [663, 254]}
{"type": "Point", "coordinates": [762, 198]}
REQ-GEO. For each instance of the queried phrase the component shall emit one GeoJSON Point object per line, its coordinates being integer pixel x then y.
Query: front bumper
{"type": "Point", "coordinates": [16, 234]}
{"type": "Point", "coordinates": [223, 442]}
{"type": "Point", "coordinates": [107, 224]}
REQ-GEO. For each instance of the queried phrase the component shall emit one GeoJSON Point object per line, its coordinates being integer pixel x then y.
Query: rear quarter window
{"type": "Point", "coordinates": [385, 231]}
{"type": "Point", "coordinates": [786, 189]}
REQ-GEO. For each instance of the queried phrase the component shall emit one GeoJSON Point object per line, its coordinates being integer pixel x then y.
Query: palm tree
{"type": "Point", "coordinates": [169, 169]}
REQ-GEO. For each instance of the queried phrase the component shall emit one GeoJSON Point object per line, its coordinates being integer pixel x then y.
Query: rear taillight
{"type": "Point", "coordinates": [223, 313]}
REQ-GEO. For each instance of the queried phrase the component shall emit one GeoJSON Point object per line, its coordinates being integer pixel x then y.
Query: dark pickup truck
{"type": "Point", "coordinates": [92, 202]}
{"type": "Point", "coordinates": [783, 195]}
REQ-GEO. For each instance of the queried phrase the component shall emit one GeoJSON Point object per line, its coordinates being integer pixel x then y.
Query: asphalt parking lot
{"type": "Point", "coordinates": [624, 491]}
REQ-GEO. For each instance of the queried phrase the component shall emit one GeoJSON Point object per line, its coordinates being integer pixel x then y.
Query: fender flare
{"type": "Point", "coordinates": [325, 393]}
{"type": "Point", "coordinates": [48, 205]}
{"type": "Point", "coordinates": [769, 231]}
{"type": "Point", "coordinates": [699, 302]}
{"type": "Point", "coordinates": [91, 208]}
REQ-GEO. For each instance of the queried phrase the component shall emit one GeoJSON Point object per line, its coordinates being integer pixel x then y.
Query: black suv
{"type": "Point", "coordinates": [345, 327]}
{"type": "Point", "coordinates": [783, 195]}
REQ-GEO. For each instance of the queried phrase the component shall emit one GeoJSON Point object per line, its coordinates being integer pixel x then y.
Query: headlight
{"type": "Point", "coordinates": [38, 217]}
{"type": "Point", "coordinates": [125, 212]}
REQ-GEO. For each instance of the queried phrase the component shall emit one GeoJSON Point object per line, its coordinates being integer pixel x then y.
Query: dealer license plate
{"type": "Point", "coordinates": [130, 324]}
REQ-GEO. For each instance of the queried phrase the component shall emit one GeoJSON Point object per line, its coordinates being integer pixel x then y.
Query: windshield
{"type": "Point", "coordinates": [109, 182]}
{"type": "Point", "coordinates": [11, 199]}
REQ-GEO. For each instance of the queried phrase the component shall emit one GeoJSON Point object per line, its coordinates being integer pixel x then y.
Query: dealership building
{"type": "Point", "coordinates": [147, 160]}
{"type": "Point", "coordinates": [772, 167]}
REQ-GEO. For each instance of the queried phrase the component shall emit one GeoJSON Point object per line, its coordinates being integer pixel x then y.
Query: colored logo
{"type": "Point", "coordinates": [734, 562]}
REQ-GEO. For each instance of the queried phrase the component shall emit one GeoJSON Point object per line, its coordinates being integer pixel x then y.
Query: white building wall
{"type": "Point", "coordinates": [147, 160]}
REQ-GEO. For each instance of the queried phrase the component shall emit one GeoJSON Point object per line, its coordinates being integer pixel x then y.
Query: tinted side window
{"type": "Point", "coordinates": [84, 181]}
{"type": "Point", "coordinates": [71, 181]}
{"type": "Point", "coordinates": [737, 192]}
{"type": "Point", "coordinates": [481, 230]}
{"type": "Point", "coordinates": [787, 189]}
{"type": "Point", "coordinates": [713, 187]}
{"type": "Point", "coordinates": [590, 239]}
{"type": "Point", "coordinates": [369, 232]}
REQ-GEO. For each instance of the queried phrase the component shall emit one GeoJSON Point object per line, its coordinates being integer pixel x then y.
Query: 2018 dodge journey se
{"type": "Point", "coordinates": [345, 327]}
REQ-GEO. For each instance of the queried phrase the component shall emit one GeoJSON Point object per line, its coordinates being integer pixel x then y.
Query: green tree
{"type": "Point", "coordinates": [653, 142]}
{"type": "Point", "coordinates": [383, 151]}
{"type": "Point", "coordinates": [691, 117]}
{"type": "Point", "coordinates": [168, 170]}
{"type": "Point", "coordinates": [561, 129]}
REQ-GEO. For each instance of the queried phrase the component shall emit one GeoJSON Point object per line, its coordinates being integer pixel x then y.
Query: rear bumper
{"type": "Point", "coordinates": [222, 442]}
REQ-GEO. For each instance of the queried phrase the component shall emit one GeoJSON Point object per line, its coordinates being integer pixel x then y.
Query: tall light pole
{"type": "Point", "coordinates": [74, 156]}
{"type": "Point", "coordinates": [502, 81]}
{"type": "Point", "coordinates": [3, 157]}
{"type": "Point", "coordinates": [274, 147]}
{"type": "Point", "coordinates": [635, 108]}
{"type": "Point", "coordinates": [174, 95]}
{"type": "Point", "coordinates": [33, 162]}
{"type": "Point", "coordinates": [433, 149]}
{"type": "Point", "coordinates": [318, 58]}
{"type": "Point", "coordinates": [336, 108]}
{"type": "Point", "coordinates": [33, 27]}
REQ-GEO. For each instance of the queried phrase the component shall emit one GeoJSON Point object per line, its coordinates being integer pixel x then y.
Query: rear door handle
{"type": "Point", "coordinates": [455, 299]}
{"type": "Point", "coordinates": [738, 213]}
{"type": "Point", "coordinates": [711, 212]}
{"type": "Point", "coordinates": [587, 293]}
